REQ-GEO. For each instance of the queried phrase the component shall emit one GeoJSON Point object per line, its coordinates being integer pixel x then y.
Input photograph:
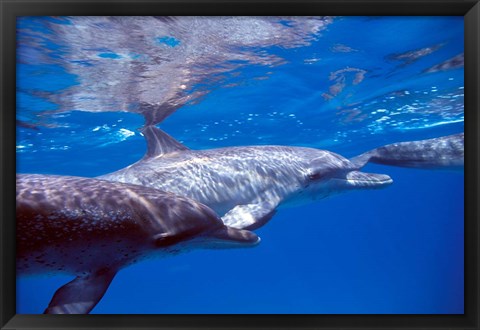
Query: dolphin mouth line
{"type": "Point", "coordinates": [362, 179]}
{"type": "Point", "coordinates": [365, 182]}
{"type": "Point", "coordinates": [368, 181]}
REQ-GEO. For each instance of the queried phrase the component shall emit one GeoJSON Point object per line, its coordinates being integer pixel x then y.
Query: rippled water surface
{"type": "Point", "coordinates": [85, 85]}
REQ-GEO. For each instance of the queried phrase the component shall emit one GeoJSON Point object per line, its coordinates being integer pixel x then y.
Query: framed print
{"type": "Point", "coordinates": [217, 164]}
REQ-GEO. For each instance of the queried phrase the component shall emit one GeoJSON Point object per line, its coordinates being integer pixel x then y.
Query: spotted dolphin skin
{"type": "Point", "coordinates": [443, 153]}
{"type": "Point", "coordinates": [93, 228]}
{"type": "Point", "coordinates": [244, 184]}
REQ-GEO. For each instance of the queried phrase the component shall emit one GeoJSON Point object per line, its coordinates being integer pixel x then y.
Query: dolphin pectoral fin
{"type": "Point", "coordinates": [82, 294]}
{"type": "Point", "coordinates": [249, 216]}
{"type": "Point", "coordinates": [234, 235]}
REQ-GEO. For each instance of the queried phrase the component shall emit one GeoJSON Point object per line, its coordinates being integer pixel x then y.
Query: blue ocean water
{"type": "Point", "coordinates": [345, 84]}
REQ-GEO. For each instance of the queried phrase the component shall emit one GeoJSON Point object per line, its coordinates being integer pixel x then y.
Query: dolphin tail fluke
{"type": "Point", "coordinates": [80, 295]}
{"type": "Point", "coordinates": [361, 160]}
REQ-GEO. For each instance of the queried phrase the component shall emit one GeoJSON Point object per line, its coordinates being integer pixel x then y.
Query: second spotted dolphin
{"type": "Point", "coordinates": [92, 228]}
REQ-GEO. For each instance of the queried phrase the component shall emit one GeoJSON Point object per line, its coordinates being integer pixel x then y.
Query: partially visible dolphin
{"type": "Point", "coordinates": [444, 153]}
{"type": "Point", "coordinates": [244, 184]}
{"type": "Point", "coordinates": [93, 228]}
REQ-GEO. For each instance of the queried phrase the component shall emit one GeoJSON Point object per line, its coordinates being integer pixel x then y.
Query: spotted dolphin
{"type": "Point", "coordinates": [244, 184]}
{"type": "Point", "coordinates": [444, 153]}
{"type": "Point", "coordinates": [92, 228]}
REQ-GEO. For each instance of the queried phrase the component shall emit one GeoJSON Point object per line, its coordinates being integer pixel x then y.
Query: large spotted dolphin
{"type": "Point", "coordinates": [442, 153]}
{"type": "Point", "coordinates": [244, 184]}
{"type": "Point", "coordinates": [93, 228]}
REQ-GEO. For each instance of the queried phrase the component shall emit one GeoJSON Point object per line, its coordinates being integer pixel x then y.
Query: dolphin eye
{"type": "Point", "coordinates": [169, 239]}
{"type": "Point", "coordinates": [314, 176]}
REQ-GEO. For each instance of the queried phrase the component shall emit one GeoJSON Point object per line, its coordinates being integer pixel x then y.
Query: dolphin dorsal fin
{"type": "Point", "coordinates": [160, 143]}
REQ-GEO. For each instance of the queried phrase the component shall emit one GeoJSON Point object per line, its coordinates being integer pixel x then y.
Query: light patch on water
{"type": "Point", "coordinates": [384, 118]}
{"type": "Point", "coordinates": [103, 128]}
{"type": "Point", "coordinates": [59, 148]}
{"type": "Point", "coordinates": [408, 108]}
{"type": "Point", "coordinates": [311, 60]}
{"type": "Point", "coordinates": [126, 133]}
{"type": "Point", "coordinates": [438, 123]}
{"type": "Point", "coordinates": [121, 135]}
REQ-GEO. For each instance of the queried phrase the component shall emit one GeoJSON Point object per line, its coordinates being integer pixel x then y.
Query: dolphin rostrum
{"type": "Point", "coordinates": [446, 153]}
{"type": "Point", "coordinates": [92, 228]}
{"type": "Point", "coordinates": [244, 184]}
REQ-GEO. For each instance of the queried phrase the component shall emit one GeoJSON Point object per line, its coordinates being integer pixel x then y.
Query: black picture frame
{"type": "Point", "coordinates": [10, 9]}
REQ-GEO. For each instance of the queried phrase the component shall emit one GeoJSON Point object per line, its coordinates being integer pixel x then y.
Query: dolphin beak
{"type": "Point", "coordinates": [357, 179]}
{"type": "Point", "coordinates": [225, 237]}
